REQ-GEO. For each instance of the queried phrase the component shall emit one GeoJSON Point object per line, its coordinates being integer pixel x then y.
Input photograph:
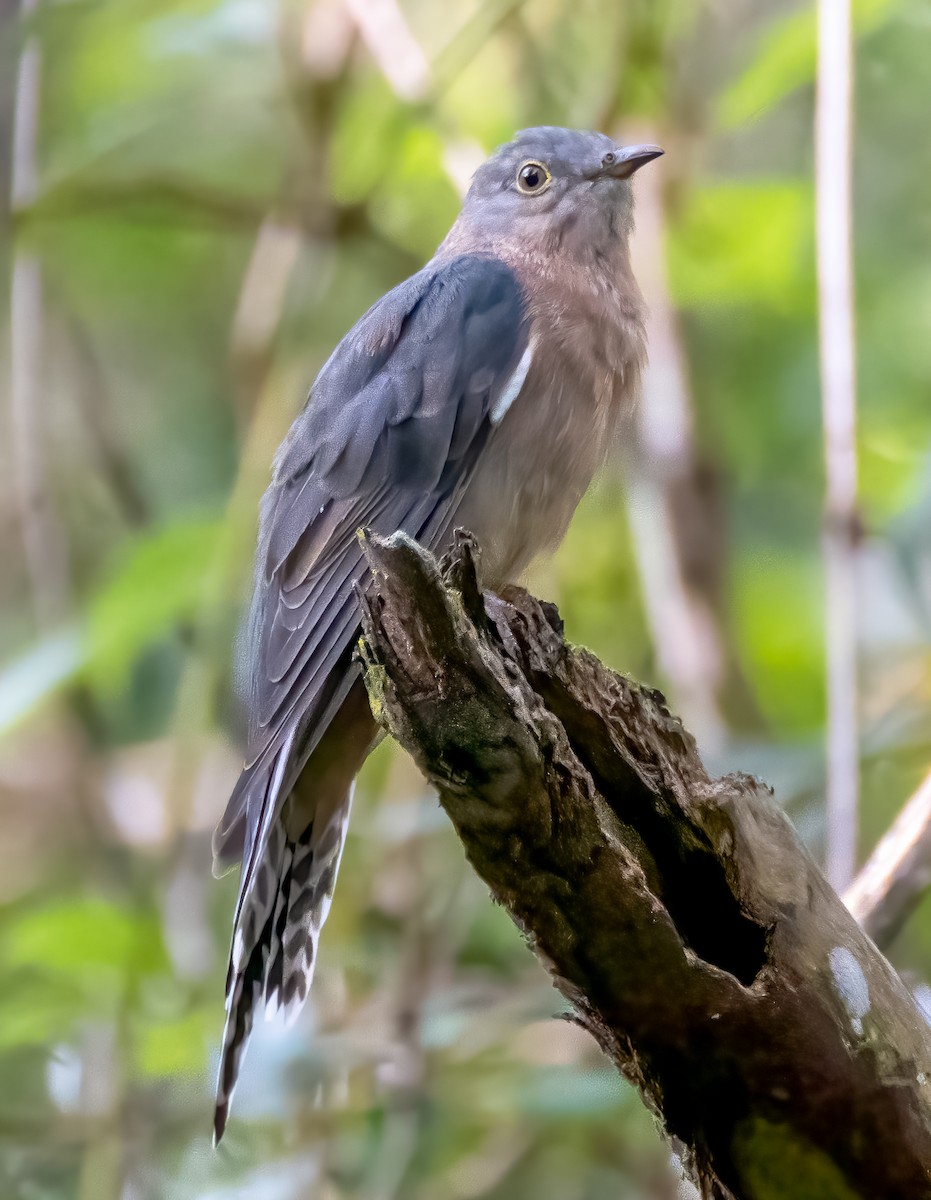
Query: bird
{"type": "Point", "coordinates": [484, 393]}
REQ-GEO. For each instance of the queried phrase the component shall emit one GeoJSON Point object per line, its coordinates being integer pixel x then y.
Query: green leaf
{"type": "Point", "coordinates": [34, 1012]}
{"type": "Point", "coordinates": [73, 936]}
{"type": "Point", "coordinates": [159, 584]}
{"type": "Point", "coordinates": [740, 243]}
{"type": "Point", "coordinates": [369, 128]}
{"type": "Point", "coordinates": [38, 674]}
{"type": "Point", "coordinates": [177, 1047]}
{"type": "Point", "coordinates": [787, 59]}
{"type": "Point", "coordinates": [417, 203]}
{"type": "Point", "coordinates": [778, 609]}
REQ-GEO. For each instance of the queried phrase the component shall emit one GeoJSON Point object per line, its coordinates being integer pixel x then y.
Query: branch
{"type": "Point", "coordinates": [678, 913]}
{"type": "Point", "coordinates": [394, 48]}
{"type": "Point", "coordinates": [887, 890]}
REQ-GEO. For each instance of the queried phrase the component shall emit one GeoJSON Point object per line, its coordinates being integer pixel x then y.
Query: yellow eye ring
{"type": "Point", "coordinates": [533, 178]}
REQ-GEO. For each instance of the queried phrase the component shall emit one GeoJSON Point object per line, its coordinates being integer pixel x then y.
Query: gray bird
{"type": "Point", "coordinates": [483, 392]}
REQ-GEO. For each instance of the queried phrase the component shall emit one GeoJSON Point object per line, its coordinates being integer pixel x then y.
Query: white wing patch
{"type": "Point", "coordinates": [513, 386]}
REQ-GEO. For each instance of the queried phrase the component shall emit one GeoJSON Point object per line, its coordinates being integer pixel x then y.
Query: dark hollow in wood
{"type": "Point", "coordinates": [678, 913]}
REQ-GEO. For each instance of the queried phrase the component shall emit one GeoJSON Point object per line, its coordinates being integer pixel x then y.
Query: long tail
{"type": "Point", "coordinates": [275, 942]}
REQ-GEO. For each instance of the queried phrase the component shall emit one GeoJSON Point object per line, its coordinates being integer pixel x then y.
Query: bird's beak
{"type": "Point", "coordinates": [629, 159]}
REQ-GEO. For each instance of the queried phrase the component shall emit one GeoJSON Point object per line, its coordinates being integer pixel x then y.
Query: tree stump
{"type": "Point", "coordinates": [679, 914]}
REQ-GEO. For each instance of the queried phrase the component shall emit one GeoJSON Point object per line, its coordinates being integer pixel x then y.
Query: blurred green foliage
{"type": "Point", "coordinates": [223, 189]}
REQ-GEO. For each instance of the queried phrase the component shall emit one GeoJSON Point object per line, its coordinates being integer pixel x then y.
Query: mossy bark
{"type": "Point", "coordinates": [678, 913]}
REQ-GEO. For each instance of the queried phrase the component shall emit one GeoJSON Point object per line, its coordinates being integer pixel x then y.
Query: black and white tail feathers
{"type": "Point", "coordinates": [285, 900]}
{"type": "Point", "coordinates": [390, 440]}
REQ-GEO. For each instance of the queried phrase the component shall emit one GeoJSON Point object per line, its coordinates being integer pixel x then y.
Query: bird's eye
{"type": "Point", "coordinates": [608, 159]}
{"type": "Point", "coordinates": [533, 178]}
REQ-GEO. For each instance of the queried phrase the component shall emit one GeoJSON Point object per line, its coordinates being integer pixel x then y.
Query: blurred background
{"type": "Point", "coordinates": [205, 194]}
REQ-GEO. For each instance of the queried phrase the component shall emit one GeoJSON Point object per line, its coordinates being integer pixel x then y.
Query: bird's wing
{"type": "Point", "coordinates": [388, 440]}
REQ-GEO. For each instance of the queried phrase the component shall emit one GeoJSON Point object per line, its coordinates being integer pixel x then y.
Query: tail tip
{"type": "Point", "coordinates": [221, 1112]}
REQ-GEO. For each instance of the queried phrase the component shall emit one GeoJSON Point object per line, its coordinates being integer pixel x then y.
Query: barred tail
{"type": "Point", "coordinates": [275, 942]}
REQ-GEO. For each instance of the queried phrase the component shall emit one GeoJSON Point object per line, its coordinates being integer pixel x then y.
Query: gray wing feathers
{"type": "Point", "coordinates": [388, 440]}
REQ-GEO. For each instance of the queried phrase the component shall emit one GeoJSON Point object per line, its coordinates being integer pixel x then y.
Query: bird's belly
{"type": "Point", "coordinates": [534, 471]}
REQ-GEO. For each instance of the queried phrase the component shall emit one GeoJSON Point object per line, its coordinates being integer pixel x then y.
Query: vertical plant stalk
{"type": "Point", "coordinates": [43, 540]}
{"type": "Point", "coordinates": [689, 645]}
{"type": "Point", "coordinates": [833, 158]}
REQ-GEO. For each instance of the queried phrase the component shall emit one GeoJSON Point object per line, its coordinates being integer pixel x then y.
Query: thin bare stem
{"type": "Point", "coordinates": [833, 153]}
{"type": "Point", "coordinates": [92, 395]}
{"type": "Point", "coordinates": [898, 872]}
{"type": "Point", "coordinates": [688, 642]}
{"type": "Point", "coordinates": [387, 36]}
{"type": "Point", "coordinates": [43, 539]}
{"type": "Point", "coordinates": [260, 308]}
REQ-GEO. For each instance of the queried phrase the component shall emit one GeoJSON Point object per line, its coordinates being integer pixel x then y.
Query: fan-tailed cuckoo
{"type": "Point", "coordinates": [483, 392]}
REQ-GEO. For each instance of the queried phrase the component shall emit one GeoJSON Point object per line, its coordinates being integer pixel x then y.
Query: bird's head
{"type": "Point", "coordinates": [550, 188]}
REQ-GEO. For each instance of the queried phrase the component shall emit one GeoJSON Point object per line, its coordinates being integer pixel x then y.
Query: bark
{"type": "Point", "coordinates": [678, 913]}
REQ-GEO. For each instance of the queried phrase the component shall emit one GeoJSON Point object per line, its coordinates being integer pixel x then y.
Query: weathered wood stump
{"type": "Point", "coordinates": [679, 914]}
